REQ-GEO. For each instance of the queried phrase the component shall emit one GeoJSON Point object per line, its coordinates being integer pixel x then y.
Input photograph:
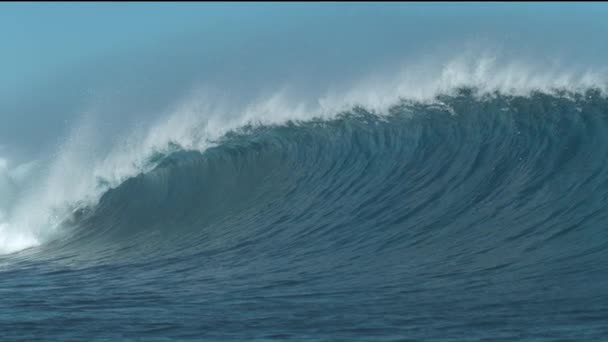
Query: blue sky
{"type": "Point", "coordinates": [58, 57]}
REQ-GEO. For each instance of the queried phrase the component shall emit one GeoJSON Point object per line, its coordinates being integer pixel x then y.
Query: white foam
{"type": "Point", "coordinates": [487, 72]}
{"type": "Point", "coordinates": [72, 178]}
{"type": "Point", "coordinates": [12, 181]}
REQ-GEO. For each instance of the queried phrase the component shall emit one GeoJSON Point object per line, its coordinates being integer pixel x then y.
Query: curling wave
{"type": "Point", "coordinates": [502, 173]}
{"type": "Point", "coordinates": [34, 204]}
{"type": "Point", "coordinates": [469, 201]}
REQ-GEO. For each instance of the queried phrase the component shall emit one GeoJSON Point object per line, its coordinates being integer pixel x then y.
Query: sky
{"type": "Point", "coordinates": [127, 62]}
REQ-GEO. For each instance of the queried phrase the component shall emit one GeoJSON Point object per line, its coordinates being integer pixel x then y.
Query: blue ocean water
{"type": "Point", "coordinates": [472, 217]}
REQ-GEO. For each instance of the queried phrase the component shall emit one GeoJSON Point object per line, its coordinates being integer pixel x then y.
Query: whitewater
{"type": "Point", "coordinates": [462, 198]}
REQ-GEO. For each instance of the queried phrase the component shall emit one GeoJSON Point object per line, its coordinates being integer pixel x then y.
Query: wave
{"type": "Point", "coordinates": [498, 181]}
{"type": "Point", "coordinates": [424, 133]}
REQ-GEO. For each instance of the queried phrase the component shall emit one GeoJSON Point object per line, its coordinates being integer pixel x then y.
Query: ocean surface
{"type": "Point", "coordinates": [478, 215]}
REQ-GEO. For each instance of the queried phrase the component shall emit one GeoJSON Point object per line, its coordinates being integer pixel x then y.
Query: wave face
{"type": "Point", "coordinates": [471, 217]}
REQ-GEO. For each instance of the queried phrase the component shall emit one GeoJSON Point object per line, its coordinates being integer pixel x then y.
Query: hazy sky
{"type": "Point", "coordinates": [129, 60]}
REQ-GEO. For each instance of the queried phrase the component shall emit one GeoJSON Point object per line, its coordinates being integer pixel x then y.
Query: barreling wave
{"type": "Point", "coordinates": [494, 204]}
{"type": "Point", "coordinates": [498, 181]}
{"type": "Point", "coordinates": [386, 125]}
